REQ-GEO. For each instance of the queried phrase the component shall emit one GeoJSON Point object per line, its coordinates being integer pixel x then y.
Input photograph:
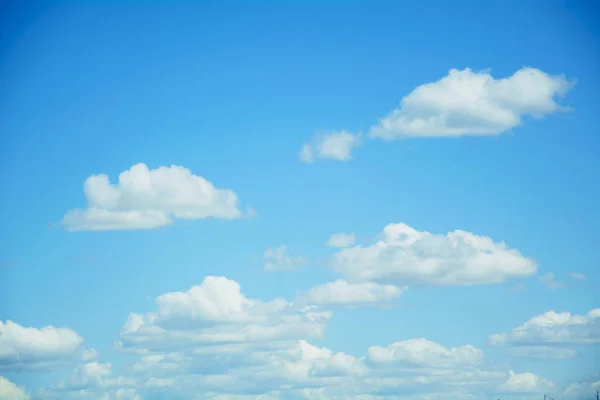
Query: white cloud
{"type": "Point", "coordinates": [10, 391]}
{"type": "Point", "coordinates": [552, 328]}
{"type": "Point", "coordinates": [473, 103]}
{"type": "Point", "coordinates": [25, 348]}
{"type": "Point", "coordinates": [405, 255]}
{"type": "Point", "coordinates": [216, 312]}
{"type": "Point", "coordinates": [577, 275]}
{"type": "Point", "coordinates": [341, 292]}
{"type": "Point", "coordinates": [277, 259]}
{"type": "Point", "coordinates": [422, 352]}
{"type": "Point", "coordinates": [145, 199]}
{"type": "Point", "coordinates": [549, 280]}
{"type": "Point", "coordinates": [584, 389]}
{"type": "Point", "coordinates": [527, 383]}
{"type": "Point", "coordinates": [337, 145]}
{"type": "Point", "coordinates": [341, 240]}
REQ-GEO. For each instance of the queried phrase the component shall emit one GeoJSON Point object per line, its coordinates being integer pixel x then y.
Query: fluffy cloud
{"type": "Point", "coordinates": [213, 342]}
{"type": "Point", "coordinates": [25, 348]}
{"type": "Point", "coordinates": [335, 145]}
{"type": "Point", "coordinates": [473, 103]}
{"type": "Point", "coordinates": [549, 280]}
{"type": "Point", "coordinates": [341, 240]}
{"type": "Point", "coordinates": [405, 255]}
{"type": "Point", "coordinates": [553, 329]}
{"type": "Point", "coordinates": [424, 353]}
{"type": "Point", "coordinates": [10, 391]}
{"type": "Point", "coordinates": [527, 383]}
{"type": "Point", "coordinates": [278, 259]}
{"type": "Point", "coordinates": [216, 312]}
{"type": "Point", "coordinates": [341, 292]}
{"type": "Point", "coordinates": [144, 199]}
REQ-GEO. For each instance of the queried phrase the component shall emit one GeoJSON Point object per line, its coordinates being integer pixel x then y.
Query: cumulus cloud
{"type": "Point", "coordinates": [465, 102]}
{"type": "Point", "coordinates": [341, 292]}
{"type": "Point", "coordinates": [145, 199]}
{"type": "Point", "coordinates": [553, 329]}
{"type": "Point", "coordinates": [549, 280]}
{"type": "Point", "coordinates": [10, 391]}
{"type": "Point", "coordinates": [527, 383]}
{"type": "Point", "coordinates": [405, 255]}
{"type": "Point", "coordinates": [216, 311]}
{"type": "Point", "coordinates": [424, 353]}
{"type": "Point", "coordinates": [341, 240]}
{"type": "Point", "coordinates": [27, 348]}
{"type": "Point", "coordinates": [337, 145]}
{"type": "Point", "coordinates": [278, 259]}
{"type": "Point", "coordinates": [212, 341]}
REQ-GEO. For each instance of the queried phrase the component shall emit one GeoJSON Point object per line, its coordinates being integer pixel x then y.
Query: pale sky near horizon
{"type": "Point", "coordinates": [299, 200]}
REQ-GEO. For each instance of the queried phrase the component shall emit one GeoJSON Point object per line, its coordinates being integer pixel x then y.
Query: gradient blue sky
{"type": "Point", "coordinates": [231, 91]}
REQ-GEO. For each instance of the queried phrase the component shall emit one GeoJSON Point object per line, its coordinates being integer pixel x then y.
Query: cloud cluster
{"type": "Point", "coordinates": [145, 199]}
{"type": "Point", "coordinates": [462, 103]}
{"type": "Point", "coordinates": [404, 255]}
{"type": "Point", "coordinates": [214, 342]}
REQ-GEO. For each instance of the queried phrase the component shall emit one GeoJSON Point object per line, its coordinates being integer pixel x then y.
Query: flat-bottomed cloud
{"type": "Point", "coordinates": [146, 199]}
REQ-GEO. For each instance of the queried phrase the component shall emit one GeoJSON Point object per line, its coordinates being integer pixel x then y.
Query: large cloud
{"type": "Point", "coordinates": [213, 342]}
{"type": "Point", "coordinates": [472, 103]}
{"type": "Point", "coordinates": [26, 348]}
{"type": "Point", "coordinates": [553, 329]}
{"type": "Point", "coordinates": [405, 255]}
{"type": "Point", "coordinates": [144, 199]}
{"type": "Point", "coordinates": [217, 312]}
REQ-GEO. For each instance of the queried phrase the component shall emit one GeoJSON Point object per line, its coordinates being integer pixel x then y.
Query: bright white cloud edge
{"type": "Point", "coordinates": [466, 102]}
{"type": "Point", "coordinates": [145, 199]}
{"type": "Point", "coordinates": [404, 255]}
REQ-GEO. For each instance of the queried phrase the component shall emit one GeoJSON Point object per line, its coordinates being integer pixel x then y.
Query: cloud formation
{"type": "Point", "coordinates": [404, 255]}
{"type": "Point", "coordinates": [31, 348]}
{"type": "Point", "coordinates": [337, 145]}
{"type": "Point", "coordinates": [213, 342]}
{"type": "Point", "coordinates": [145, 199]}
{"type": "Point", "coordinates": [553, 329]}
{"type": "Point", "coordinates": [465, 102]}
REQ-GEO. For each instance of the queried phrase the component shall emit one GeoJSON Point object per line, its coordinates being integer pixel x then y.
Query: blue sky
{"type": "Point", "coordinates": [501, 143]}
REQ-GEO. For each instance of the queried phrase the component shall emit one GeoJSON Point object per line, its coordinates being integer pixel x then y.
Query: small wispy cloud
{"type": "Point", "coordinates": [549, 280]}
{"type": "Point", "coordinates": [278, 259]}
{"type": "Point", "coordinates": [577, 275]}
